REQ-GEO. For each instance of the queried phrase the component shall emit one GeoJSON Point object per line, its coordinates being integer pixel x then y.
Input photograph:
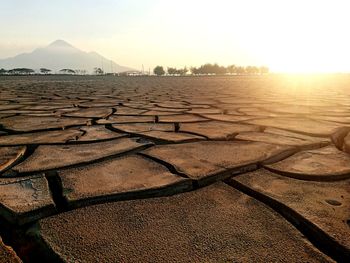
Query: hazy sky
{"type": "Point", "coordinates": [286, 35]}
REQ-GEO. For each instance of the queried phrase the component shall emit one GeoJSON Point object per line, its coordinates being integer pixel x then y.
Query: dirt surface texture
{"type": "Point", "coordinates": [175, 169]}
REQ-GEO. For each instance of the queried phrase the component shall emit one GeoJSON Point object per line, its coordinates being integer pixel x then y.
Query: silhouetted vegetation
{"type": "Point", "coordinates": [206, 69]}
{"type": "Point", "coordinates": [213, 69]}
{"type": "Point", "coordinates": [175, 71]}
{"type": "Point", "coordinates": [20, 71]}
{"type": "Point", "coordinates": [45, 71]}
{"type": "Point", "coordinates": [159, 71]}
{"type": "Point", "coordinates": [67, 71]}
{"type": "Point", "coordinates": [98, 71]}
{"type": "Point", "coordinates": [209, 69]}
{"type": "Point", "coordinates": [172, 71]}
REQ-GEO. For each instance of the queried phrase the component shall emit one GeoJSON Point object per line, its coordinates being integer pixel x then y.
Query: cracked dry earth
{"type": "Point", "coordinates": [192, 169]}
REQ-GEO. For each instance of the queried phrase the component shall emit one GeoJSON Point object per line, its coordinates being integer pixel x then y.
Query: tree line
{"type": "Point", "coordinates": [45, 71]}
{"type": "Point", "coordinates": [17, 71]}
{"type": "Point", "coordinates": [212, 69]}
{"type": "Point", "coordinates": [206, 69]}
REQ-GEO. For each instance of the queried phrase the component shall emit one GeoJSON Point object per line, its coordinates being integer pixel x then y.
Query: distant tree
{"type": "Point", "coordinates": [172, 71]}
{"type": "Point", "coordinates": [194, 71]}
{"type": "Point", "coordinates": [219, 70]}
{"type": "Point", "coordinates": [67, 71]}
{"type": "Point", "coordinates": [207, 69]}
{"type": "Point", "coordinates": [159, 71]}
{"type": "Point", "coordinates": [175, 71]}
{"type": "Point", "coordinates": [240, 70]}
{"type": "Point", "coordinates": [232, 69]}
{"type": "Point", "coordinates": [264, 70]}
{"type": "Point", "coordinates": [98, 71]}
{"type": "Point", "coordinates": [3, 71]}
{"type": "Point", "coordinates": [45, 71]}
{"type": "Point", "coordinates": [252, 70]}
{"type": "Point", "coordinates": [182, 71]}
{"type": "Point", "coordinates": [21, 71]}
{"type": "Point", "coordinates": [29, 71]}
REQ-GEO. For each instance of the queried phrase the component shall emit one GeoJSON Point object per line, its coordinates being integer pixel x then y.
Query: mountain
{"type": "Point", "coordinates": [59, 55]}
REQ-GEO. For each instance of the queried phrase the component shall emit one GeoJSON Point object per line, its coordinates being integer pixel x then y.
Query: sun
{"type": "Point", "coordinates": [311, 38]}
{"type": "Point", "coordinates": [297, 36]}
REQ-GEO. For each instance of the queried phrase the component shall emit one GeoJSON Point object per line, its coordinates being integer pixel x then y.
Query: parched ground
{"type": "Point", "coordinates": [175, 169]}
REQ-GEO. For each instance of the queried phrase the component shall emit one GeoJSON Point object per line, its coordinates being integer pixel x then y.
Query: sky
{"type": "Point", "coordinates": [286, 35]}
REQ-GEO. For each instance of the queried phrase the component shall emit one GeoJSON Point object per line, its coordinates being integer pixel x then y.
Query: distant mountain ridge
{"type": "Point", "coordinates": [59, 55]}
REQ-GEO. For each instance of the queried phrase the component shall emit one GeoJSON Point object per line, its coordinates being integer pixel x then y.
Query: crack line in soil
{"type": "Point", "coordinates": [313, 233]}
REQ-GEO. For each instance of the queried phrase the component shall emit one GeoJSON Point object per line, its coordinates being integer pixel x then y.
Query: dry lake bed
{"type": "Point", "coordinates": [175, 169]}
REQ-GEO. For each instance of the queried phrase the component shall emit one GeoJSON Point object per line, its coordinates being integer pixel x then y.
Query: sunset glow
{"type": "Point", "coordinates": [288, 36]}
